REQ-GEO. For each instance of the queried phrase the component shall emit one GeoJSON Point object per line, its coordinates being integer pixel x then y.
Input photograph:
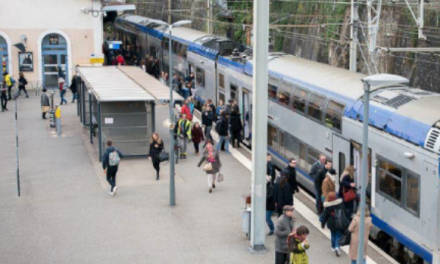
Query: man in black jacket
{"type": "Point", "coordinates": [270, 170]}
{"type": "Point", "coordinates": [318, 165]}
{"type": "Point", "coordinates": [110, 163]}
{"type": "Point", "coordinates": [207, 119]}
{"type": "Point", "coordinates": [270, 204]}
{"type": "Point", "coordinates": [291, 175]}
{"type": "Point", "coordinates": [320, 176]}
{"type": "Point", "coordinates": [74, 84]}
{"type": "Point", "coordinates": [222, 128]}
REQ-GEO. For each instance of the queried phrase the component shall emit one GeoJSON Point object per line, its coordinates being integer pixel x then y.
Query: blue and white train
{"type": "Point", "coordinates": [315, 108]}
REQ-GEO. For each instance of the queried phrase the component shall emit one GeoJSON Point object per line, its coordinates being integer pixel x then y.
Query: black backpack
{"type": "Point", "coordinates": [218, 126]}
{"type": "Point", "coordinates": [341, 220]}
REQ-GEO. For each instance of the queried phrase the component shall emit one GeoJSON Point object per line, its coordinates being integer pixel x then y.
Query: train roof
{"type": "Point", "coordinates": [187, 35]}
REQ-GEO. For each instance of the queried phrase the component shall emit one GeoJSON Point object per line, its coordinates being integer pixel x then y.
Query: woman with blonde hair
{"type": "Point", "coordinates": [346, 187]}
{"type": "Point", "coordinates": [354, 230]}
{"type": "Point", "coordinates": [156, 147]}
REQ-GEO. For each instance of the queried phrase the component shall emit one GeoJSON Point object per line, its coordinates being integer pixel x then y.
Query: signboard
{"type": "Point", "coordinates": [108, 120]}
{"type": "Point", "coordinates": [97, 59]}
{"type": "Point", "coordinates": [53, 40]}
{"type": "Point", "coordinates": [26, 61]}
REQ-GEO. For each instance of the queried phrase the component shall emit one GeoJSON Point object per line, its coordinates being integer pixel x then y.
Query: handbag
{"type": "Point", "coordinates": [345, 239]}
{"type": "Point", "coordinates": [164, 156]}
{"type": "Point", "coordinates": [220, 177]}
{"type": "Point", "coordinates": [45, 109]}
{"type": "Point", "coordinates": [341, 220]}
{"type": "Point", "coordinates": [349, 195]}
{"type": "Point", "coordinates": [207, 166]}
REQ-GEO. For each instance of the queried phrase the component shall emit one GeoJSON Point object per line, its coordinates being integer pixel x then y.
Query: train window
{"type": "Point", "coordinates": [184, 51]}
{"type": "Point", "coordinates": [316, 105]}
{"type": "Point", "coordinates": [312, 156]}
{"type": "Point", "coordinates": [390, 180]}
{"type": "Point", "coordinates": [333, 115]}
{"type": "Point", "coordinates": [299, 99]}
{"type": "Point", "coordinates": [165, 43]}
{"type": "Point", "coordinates": [221, 80]}
{"type": "Point", "coordinates": [291, 147]}
{"type": "Point", "coordinates": [284, 94]}
{"type": "Point", "coordinates": [200, 77]}
{"type": "Point", "coordinates": [272, 137]}
{"type": "Point", "coordinates": [233, 94]}
{"type": "Point", "coordinates": [281, 142]}
{"type": "Point", "coordinates": [303, 156]}
{"type": "Point", "coordinates": [273, 88]}
{"type": "Point", "coordinates": [341, 165]}
{"type": "Point", "coordinates": [412, 192]}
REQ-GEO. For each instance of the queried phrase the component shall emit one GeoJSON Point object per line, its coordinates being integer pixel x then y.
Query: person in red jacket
{"type": "Point", "coordinates": [197, 136]}
{"type": "Point", "coordinates": [120, 60]}
{"type": "Point", "coordinates": [186, 111]}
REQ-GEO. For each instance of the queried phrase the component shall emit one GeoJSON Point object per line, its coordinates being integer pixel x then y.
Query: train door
{"type": "Point", "coordinates": [341, 154]}
{"type": "Point", "coordinates": [431, 207]}
{"type": "Point", "coordinates": [357, 163]}
{"type": "Point", "coordinates": [221, 88]}
{"type": "Point", "coordinates": [246, 115]}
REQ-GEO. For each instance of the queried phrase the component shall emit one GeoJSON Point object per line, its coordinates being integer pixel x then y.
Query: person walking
{"type": "Point", "coordinates": [291, 176]}
{"type": "Point", "coordinates": [236, 127]}
{"type": "Point", "coordinates": [3, 97]}
{"type": "Point", "coordinates": [74, 86]}
{"type": "Point", "coordinates": [298, 244]}
{"type": "Point", "coordinates": [120, 60]}
{"type": "Point", "coordinates": [346, 184]}
{"type": "Point", "coordinates": [270, 170]}
{"type": "Point", "coordinates": [191, 105]}
{"type": "Point", "coordinates": [354, 229]}
{"type": "Point", "coordinates": [282, 193]}
{"type": "Point", "coordinates": [328, 185]}
{"type": "Point", "coordinates": [219, 109]}
{"type": "Point", "coordinates": [22, 82]}
{"type": "Point", "coordinates": [45, 103]}
{"type": "Point", "coordinates": [207, 120]}
{"type": "Point", "coordinates": [156, 147]}
{"type": "Point", "coordinates": [211, 156]}
{"type": "Point", "coordinates": [184, 132]}
{"type": "Point", "coordinates": [330, 217]}
{"type": "Point", "coordinates": [110, 164]}
{"type": "Point", "coordinates": [211, 105]}
{"type": "Point", "coordinates": [185, 110]}
{"type": "Point", "coordinates": [283, 228]}
{"type": "Point", "coordinates": [9, 83]}
{"type": "Point", "coordinates": [270, 204]}
{"type": "Point", "coordinates": [319, 178]}
{"type": "Point", "coordinates": [222, 128]}
{"type": "Point", "coordinates": [317, 166]}
{"type": "Point", "coordinates": [197, 136]}
{"type": "Point", "coordinates": [61, 86]}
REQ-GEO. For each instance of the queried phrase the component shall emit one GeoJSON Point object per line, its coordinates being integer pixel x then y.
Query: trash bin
{"type": "Point", "coordinates": [246, 226]}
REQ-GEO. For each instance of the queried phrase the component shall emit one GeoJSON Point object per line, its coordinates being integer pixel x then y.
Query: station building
{"type": "Point", "coordinates": [41, 37]}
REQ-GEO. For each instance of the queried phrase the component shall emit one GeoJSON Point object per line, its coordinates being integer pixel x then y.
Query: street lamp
{"type": "Point", "coordinates": [170, 28]}
{"type": "Point", "coordinates": [370, 81]}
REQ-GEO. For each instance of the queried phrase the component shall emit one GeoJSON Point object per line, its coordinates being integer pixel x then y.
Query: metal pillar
{"type": "Point", "coordinates": [99, 132]}
{"type": "Point", "coordinates": [259, 138]}
{"type": "Point", "coordinates": [354, 35]}
{"type": "Point", "coordinates": [91, 123]}
{"type": "Point", "coordinates": [209, 20]}
{"type": "Point", "coordinates": [17, 150]}
{"type": "Point", "coordinates": [169, 12]}
{"type": "Point", "coordinates": [373, 23]}
{"type": "Point", "coordinates": [360, 256]}
{"type": "Point", "coordinates": [170, 81]}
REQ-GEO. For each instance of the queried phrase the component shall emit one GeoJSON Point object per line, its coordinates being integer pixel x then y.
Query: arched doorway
{"type": "Point", "coordinates": [3, 57]}
{"type": "Point", "coordinates": [54, 51]}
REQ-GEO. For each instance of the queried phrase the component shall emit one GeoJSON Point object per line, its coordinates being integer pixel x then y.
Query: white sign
{"type": "Point", "coordinates": [108, 120]}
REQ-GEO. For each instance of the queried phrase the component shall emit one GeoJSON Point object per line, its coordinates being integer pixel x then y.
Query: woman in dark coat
{"type": "Point", "coordinates": [197, 136]}
{"type": "Point", "coordinates": [236, 127]}
{"type": "Point", "coordinates": [22, 82]}
{"type": "Point", "coordinates": [156, 147]}
{"type": "Point", "coordinates": [329, 216]}
{"type": "Point", "coordinates": [283, 193]}
{"type": "Point", "coordinates": [270, 204]}
{"type": "Point", "coordinates": [211, 155]}
{"type": "Point", "coordinates": [346, 184]}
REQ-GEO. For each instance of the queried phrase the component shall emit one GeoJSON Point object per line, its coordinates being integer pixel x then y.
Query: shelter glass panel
{"type": "Point", "coordinates": [284, 94]}
{"type": "Point", "coordinates": [273, 88]}
{"type": "Point", "coordinates": [390, 180]}
{"type": "Point", "coordinates": [333, 115]}
{"type": "Point", "coordinates": [299, 100]}
{"type": "Point", "coordinates": [316, 104]}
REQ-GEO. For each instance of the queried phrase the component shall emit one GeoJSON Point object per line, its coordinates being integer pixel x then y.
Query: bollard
{"type": "Point", "coordinates": [58, 120]}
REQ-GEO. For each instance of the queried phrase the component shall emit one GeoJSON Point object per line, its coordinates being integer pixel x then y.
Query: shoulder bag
{"type": "Point", "coordinates": [349, 195]}
{"type": "Point", "coordinates": [207, 166]}
{"type": "Point", "coordinates": [345, 239]}
{"type": "Point", "coordinates": [164, 156]}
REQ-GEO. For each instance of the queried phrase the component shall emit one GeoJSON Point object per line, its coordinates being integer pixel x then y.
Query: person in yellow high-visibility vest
{"type": "Point", "coordinates": [184, 131]}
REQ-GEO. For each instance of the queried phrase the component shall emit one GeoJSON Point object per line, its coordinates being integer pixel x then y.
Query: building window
{"type": "Point", "coordinates": [390, 180]}
{"type": "Point", "coordinates": [316, 104]}
{"type": "Point", "coordinates": [273, 88]}
{"type": "Point", "coordinates": [412, 193]}
{"type": "Point", "coordinates": [200, 77]}
{"type": "Point", "coordinates": [284, 94]}
{"type": "Point", "coordinates": [272, 137]}
{"type": "Point", "coordinates": [221, 80]}
{"type": "Point", "coordinates": [333, 115]}
{"type": "Point", "coordinates": [299, 100]}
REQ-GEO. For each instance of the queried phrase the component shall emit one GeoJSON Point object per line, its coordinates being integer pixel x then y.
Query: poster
{"type": "Point", "coordinates": [26, 61]}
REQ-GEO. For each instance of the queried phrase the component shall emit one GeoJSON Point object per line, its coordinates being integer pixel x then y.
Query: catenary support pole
{"type": "Point", "coordinates": [170, 81]}
{"type": "Point", "coordinates": [360, 256]}
{"type": "Point", "coordinates": [259, 137]}
{"type": "Point", "coordinates": [353, 36]}
{"type": "Point", "coordinates": [210, 18]}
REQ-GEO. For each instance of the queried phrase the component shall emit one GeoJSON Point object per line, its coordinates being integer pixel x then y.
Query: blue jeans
{"type": "Point", "coordinates": [62, 93]}
{"type": "Point", "coordinates": [354, 261]}
{"type": "Point", "coordinates": [335, 236]}
{"type": "Point", "coordinates": [221, 140]}
{"type": "Point", "coordinates": [74, 97]}
{"type": "Point", "coordinates": [269, 220]}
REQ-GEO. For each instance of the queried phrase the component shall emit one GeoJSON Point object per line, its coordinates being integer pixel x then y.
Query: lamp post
{"type": "Point", "coordinates": [370, 81]}
{"type": "Point", "coordinates": [172, 121]}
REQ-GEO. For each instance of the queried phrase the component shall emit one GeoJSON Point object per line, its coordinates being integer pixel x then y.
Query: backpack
{"type": "Point", "coordinates": [218, 126]}
{"type": "Point", "coordinates": [12, 80]}
{"type": "Point", "coordinates": [341, 220]}
{"type": "Point", "coordinates": [113, 158]}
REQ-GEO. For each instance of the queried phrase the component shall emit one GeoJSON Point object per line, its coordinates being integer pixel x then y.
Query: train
{"type": "Point", "coordinates": [315, 108]}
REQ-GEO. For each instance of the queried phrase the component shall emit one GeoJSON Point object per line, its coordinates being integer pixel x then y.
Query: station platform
{"type": "Point", "coordinates": [65, 214]}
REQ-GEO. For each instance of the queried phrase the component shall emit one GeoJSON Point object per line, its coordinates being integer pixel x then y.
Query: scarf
{"type": "Point", "coordinates": [332, 177]}
{"type": "Point", "coordinates": [210, 157]}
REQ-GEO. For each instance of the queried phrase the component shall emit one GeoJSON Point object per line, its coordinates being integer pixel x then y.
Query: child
{"type": "Point", "coordinates": [298, 244]}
